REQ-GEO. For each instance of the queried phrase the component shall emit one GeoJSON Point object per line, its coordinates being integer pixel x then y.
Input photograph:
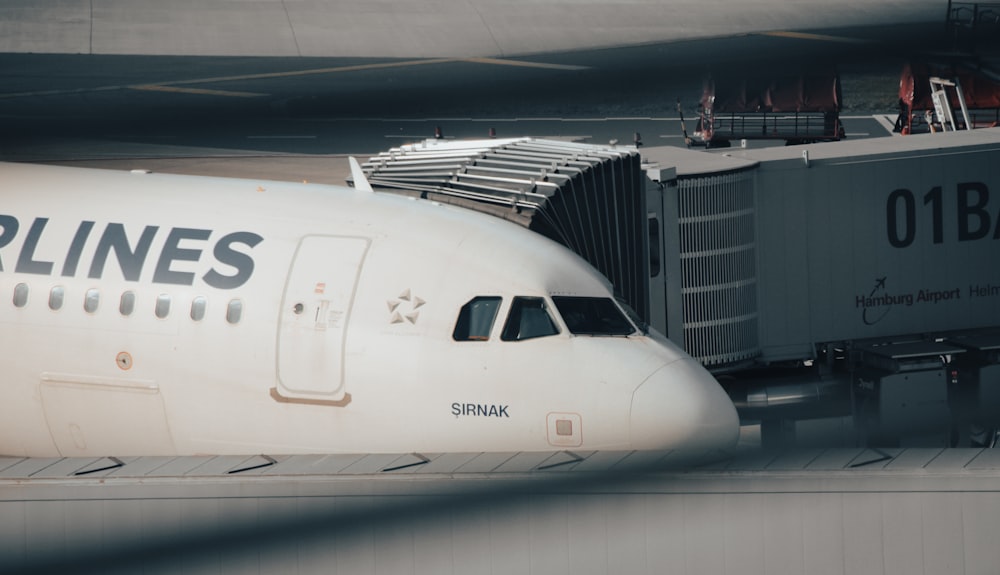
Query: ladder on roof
{"type": "Point", "coordinates": [942, 104]}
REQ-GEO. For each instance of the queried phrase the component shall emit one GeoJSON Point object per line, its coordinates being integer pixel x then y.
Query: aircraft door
{"type": "Point", "coordinates": [315, 313]}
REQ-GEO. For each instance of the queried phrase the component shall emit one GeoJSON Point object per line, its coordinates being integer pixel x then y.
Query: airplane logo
{"type": "Point", "coordinates": [404, 308]}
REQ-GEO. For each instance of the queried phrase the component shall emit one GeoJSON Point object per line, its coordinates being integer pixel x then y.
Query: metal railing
{"type": "Point", "coordinates": [817, 126]}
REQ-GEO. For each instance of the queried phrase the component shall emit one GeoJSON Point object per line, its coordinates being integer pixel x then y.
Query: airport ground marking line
{"type": "Point", "coordinates": [311, 71]}
{"type": "Point", "coordinates": [526, 64]}
{"type": "Point", "coordinates": [198, 91]}
{"type": "Point", "coordinates": [819, 37]}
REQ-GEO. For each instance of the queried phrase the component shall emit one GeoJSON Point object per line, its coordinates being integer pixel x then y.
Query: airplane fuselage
{"type": "Point", "coordinates": [159, 315]}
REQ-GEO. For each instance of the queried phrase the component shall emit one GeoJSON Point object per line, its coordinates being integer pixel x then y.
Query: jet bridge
{"type": "Point", "coordinates": [814, 281]}
{"type": "Point", "coordinates": [588, 198]}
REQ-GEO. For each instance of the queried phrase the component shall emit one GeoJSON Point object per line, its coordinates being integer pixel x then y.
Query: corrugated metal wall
{"type": "Point", "coordinates": [718, 245]}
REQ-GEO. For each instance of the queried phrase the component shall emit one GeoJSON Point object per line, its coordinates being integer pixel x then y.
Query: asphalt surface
{"type": "Point", "coordinates": [168, 110]}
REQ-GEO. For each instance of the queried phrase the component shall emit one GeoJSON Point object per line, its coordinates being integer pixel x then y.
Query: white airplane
{"type": "Point", "coordinates": [148, 314]}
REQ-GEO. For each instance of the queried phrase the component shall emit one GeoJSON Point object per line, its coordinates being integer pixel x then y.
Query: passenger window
{"type": "Point", "coordinates": [162, 306]}
{"type": "Point", "coordinates": [127, 304]}
{"type": "Point", "coordinates": [592, 316]}
{"type": "Point", "coordinates": [56, 297]}
{"type": "Point", "coordinates": [475, 321]}
{"type": "Point", "coordinates": [91, 301]}
{"type": "Point", "coordinates": [234, 313]}
{"type": "Point", "coordinates": [198, 308]}
{"type": "Point", "coordinates": [20, 295]}
{"type": "Point", "coordinates": [528, 319]}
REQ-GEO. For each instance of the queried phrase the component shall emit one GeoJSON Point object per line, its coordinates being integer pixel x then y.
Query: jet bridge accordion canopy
{"type": "Point", "coordinates": [589, 198]}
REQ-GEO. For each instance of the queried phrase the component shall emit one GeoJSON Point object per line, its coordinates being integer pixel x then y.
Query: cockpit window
{"type": "Point", "coordinates": [475, 321]}
{"type": "Point", "coordinates": [592, 316]}
{"type": "Point", "coordinates": [528, 318]}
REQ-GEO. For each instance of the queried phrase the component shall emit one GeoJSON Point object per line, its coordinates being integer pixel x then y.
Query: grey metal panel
{"type": "Point", "coordinates": [903, 536]}
{"type": "Point", "coordinates": [471, 546]}
{"type": "Point", "coordinates": [665, 532]}
{"type": "Point", "coordinates": [370, 464]}
{"type": "Point", "coordinates": [600, 460]}
{"type": "Point", "coordinates": [783, 262]}
{"type": "Point", "coordinates": [794, 459]}
{"type": "Point", "coordinates": [783, 542]}
{"type": "Point", "coordinates": [744, 543]}
{"type": "Point", "coordinates": [29, 467]}
{"type": "Point", "coordinates": [179, 466]}
{"type": "Point", "coordinates": [626, 546]}
{"type": "Point", "coordinates": [62, 468]}
{"type": "Point", "coordinates": [14, 532]}
{"type": "Point", "coordinates": [862, 528]}
{"type": "Point", "coordinates": [45, 529]}
{"type": "Point", "coordinates": [446, 462]}
{"type": "Point", "coordinates": [510, 549]}
{"type": "Point", "coordinates": [310, 464]}
{"type": "Point", "coordinates": [587, 545]}
{"type": "Point", "coordinates": [942, 550]}
{"type": "Point", "coordinates": [6, 462]}
{"type": "Point", "coordinates": [757, 459]}
{"type": "Point", "coordinates": [913, 458]}
{"type": "Point", "coordinates": [833, 459]}
{"type": "Point", "coordinates": [987, 459]}
{"type": "Point", "coordinates": [485, 462]}
{"type": "Point", "coordinates": [523, 462]}
{"type": "Point", "coordinates": [640, 459]}
{"type": "Point", "coordinates": [979, 532]}
{"type": "Point", "coordinates": [139, 466]}
{"type": "Point", "coordinates": [324, 464]}
{"type": "Point", "coordinates": [953, 459]}
{"type": "Point", "coordinates": [874, 458]}
{"type": "Point", "coordinates": [565, 460]}
{"type": "Point", "coordinates": [823, 534]}
{"type": "Point", "coordinates": [549, 524]}
{"type": "Point", "coordinates": [84, 524]}
{"type": "Point", "coordinates": [704, 526]}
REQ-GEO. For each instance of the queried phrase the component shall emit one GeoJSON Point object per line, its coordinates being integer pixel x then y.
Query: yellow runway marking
{"type": "Point", "coordinates": [312, 72]}
{"type": "Point", "coordinates": [200, 91]}
{"type": "Point", "coordinates": [503, 62]}
{"type": "Point", "coordinates": [819, 37]}
{"type": "Point", "coordinates": [177, 86]}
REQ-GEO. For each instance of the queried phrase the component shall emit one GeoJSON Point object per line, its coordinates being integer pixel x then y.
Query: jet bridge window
{"type": "Point", "coordinates": [528, 318]}
{"type": "Point", "coordinates": [475, 320]}
{"type": "Point", "coordinates": [592, 316]}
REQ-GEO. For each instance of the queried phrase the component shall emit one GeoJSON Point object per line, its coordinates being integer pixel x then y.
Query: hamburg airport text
{"type": "Point", "coordinates": [230, 250]}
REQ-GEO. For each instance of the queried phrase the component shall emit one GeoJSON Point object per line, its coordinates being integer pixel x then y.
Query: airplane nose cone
{"type": "Point", "coordinates": [681, 406]}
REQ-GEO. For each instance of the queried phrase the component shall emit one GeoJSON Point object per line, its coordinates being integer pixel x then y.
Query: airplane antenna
{"type": "Point", "coordinates": [360, 180]}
